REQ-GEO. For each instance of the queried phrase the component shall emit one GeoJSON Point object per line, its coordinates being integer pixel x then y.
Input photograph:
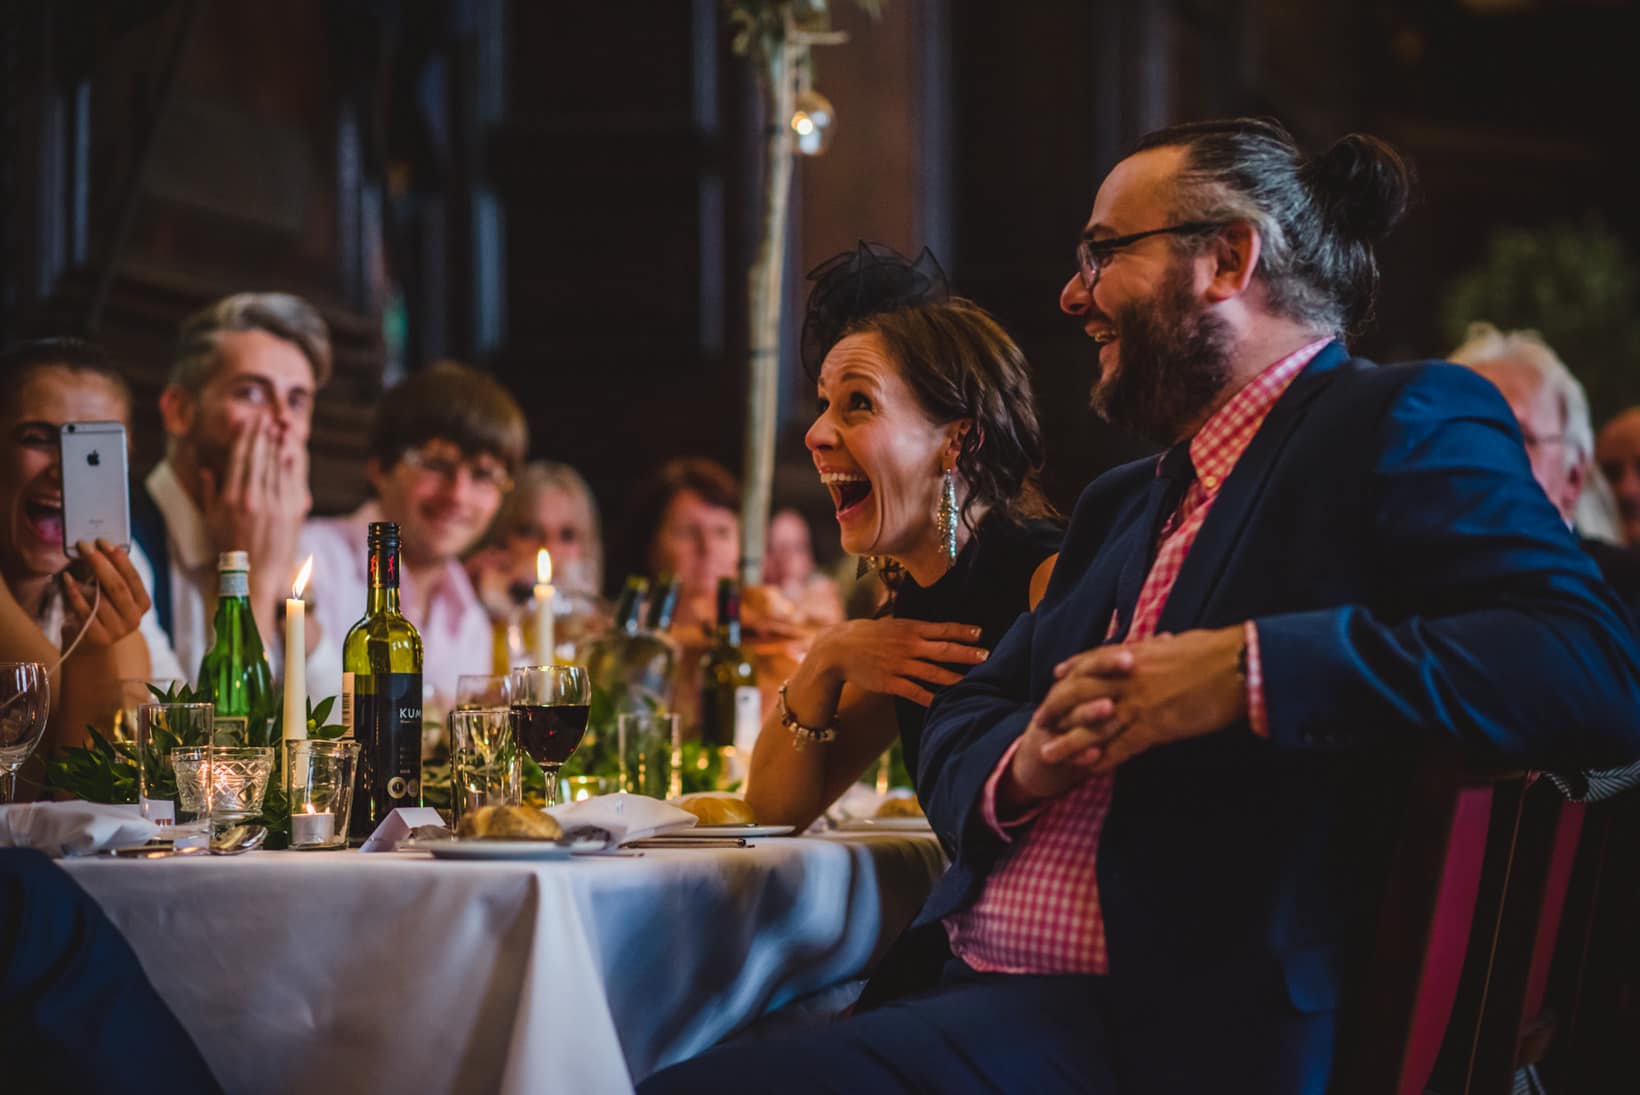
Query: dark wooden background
{"type": "Point", "coordinates": [564, 193]}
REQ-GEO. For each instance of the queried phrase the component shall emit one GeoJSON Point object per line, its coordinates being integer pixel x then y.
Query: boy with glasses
{"type": "Point", "coordinates": [443, 451]}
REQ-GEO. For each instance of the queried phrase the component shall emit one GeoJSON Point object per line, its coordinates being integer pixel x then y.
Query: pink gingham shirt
{"type": "Point", "coordinates": [1039, 911]}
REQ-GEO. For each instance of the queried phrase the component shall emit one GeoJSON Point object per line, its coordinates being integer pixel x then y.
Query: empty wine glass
{"type": "Point", "coordinates": [550, 704]}
{"type": "Point", "coordinates": [25, 703]}
{"type": "Point", "coordinates": [482, 690]}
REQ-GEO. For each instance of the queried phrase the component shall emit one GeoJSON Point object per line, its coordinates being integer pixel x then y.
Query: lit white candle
{"type": "Point", "coordinates": [295, 728]}
{"type": "Point", "coordinates": [544, 594]}
{"type": "Point", "coordinates": [311, 827]}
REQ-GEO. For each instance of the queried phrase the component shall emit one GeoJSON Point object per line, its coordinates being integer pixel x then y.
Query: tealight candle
{"type": "Point", "coordinates": [312, 827]}
{"type": "Point", "coordinates": [544, 598]}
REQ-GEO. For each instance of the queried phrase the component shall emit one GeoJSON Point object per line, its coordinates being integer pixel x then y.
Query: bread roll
{"type": "Point", "coordinates": [717, 808]}
{"type": "Point", "coordinates": [512, 822]}
{"type": "Point", "coordinates": [900, 806]}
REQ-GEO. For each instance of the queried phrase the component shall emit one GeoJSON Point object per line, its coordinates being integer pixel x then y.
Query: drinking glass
{"type": "Point", "coordinates": [645, 743]}
{"type": "Point", "coordinates": [482, 690]}
{"type": "Point", "coordinates": [550, 704]}
{"type": "Point", "coordinates": [134, 692]}
{"type": "Point", "coordinates": [162, 727]}
{"type": "Point", "coordinates": [321, 791]}
{"type": "Point", "coordinates": [485, 768]}
{"type": "Point", "coordinates": [25, 703]}
{"type": "Point", "coordinates": [191, 765]}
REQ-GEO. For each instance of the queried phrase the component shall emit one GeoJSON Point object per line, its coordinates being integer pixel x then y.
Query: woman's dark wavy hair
{"type": "Point", "coordinates": [956, 358]}
{"type": "Point", "coordinates": [960, 363]}
{"type": "Point", "coordinates": [1318, 217]}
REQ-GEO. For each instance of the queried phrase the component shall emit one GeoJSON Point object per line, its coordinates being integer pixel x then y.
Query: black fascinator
{"type": "Point", "coordinates": [869, 280]}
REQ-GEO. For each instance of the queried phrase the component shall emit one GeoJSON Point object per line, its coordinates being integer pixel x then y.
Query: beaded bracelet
{"type": "Point", "coordinates": [801, 734]}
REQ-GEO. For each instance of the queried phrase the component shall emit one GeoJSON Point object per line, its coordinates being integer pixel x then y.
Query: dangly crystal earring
{"type": "Point", "coordinates": [945, 518]}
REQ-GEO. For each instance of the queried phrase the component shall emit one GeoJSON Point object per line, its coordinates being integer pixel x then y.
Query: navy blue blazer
{"type": "Point", "coordinates": [1409, 581]}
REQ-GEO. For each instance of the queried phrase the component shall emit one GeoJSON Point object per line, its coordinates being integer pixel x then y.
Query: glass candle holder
{"type": "Point", "coordinates": [580, 788]}
{"type": "Point", "coordinates": [320, 788]}
{"type": "Point", "coordinates": [238, 778]}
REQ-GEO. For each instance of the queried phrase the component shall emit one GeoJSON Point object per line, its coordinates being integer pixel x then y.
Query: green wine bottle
{"type": "Point", "coordinates": [731, 707]}
{"type": "Point", "coordinates": [608, 673]}
{"type": "Point", "coordinates": [381, 692]}
{"type": "Point", "coordinates": [234, 671]}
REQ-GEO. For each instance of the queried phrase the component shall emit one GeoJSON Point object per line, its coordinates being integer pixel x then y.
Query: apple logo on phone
{"type": "Point", "coordinates": [92, 458]}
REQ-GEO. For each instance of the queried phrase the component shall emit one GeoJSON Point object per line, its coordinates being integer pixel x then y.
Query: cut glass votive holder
{"type": "Point", "coordinates": [238, 779]}
{"type": "Point", "coordinates": [320, 788]}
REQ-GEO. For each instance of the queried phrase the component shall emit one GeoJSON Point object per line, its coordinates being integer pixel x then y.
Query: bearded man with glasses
{"type": "Point", "coordinates": [1167, 794]}
{"type": "Point", "coordinates": [443, 450]}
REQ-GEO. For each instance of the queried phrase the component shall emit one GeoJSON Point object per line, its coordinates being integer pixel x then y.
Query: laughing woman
{"type": "Point", "coordinates": [928, 441]}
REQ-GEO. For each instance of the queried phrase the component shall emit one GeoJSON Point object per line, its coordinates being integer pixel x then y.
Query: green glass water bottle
{"type": "Point", "coordinates": [234, 671]}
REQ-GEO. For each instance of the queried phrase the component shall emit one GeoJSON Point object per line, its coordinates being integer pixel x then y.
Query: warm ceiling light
{"type": "Point", "coordinates": [812, 122]}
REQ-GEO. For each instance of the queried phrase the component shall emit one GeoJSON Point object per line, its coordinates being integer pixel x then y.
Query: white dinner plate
{"type": "Point", "coordinates": [733, 830]}
{"type": "Point", "coordinates": [501, 849]}
{"type": "Point", "coordinates": [885, 825]}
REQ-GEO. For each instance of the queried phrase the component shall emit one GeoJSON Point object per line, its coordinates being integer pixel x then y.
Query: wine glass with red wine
{"type": "Point", "coordinates": [549, 715]}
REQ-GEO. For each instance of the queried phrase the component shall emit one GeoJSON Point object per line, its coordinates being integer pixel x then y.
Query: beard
{"type": "Point", "coordinates": [1173, 360]}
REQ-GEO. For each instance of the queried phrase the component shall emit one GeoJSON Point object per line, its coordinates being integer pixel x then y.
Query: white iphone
{"type": "Point", "coordinates": [96, 490]}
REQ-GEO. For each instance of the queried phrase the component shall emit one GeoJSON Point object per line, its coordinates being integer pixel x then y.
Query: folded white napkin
{"type": "Point", "coordinates": [73, 828]}
{"type": "Point", "coordinates": [627, 817]}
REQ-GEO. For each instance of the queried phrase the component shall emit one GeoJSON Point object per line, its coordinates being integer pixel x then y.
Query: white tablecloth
{"type": "Point", "coordinates": [342, 972]}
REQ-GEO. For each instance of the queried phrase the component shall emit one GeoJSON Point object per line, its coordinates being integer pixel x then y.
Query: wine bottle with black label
{"type": "Point", "coordinates": [381, 692]}
{"type": "Point", "coordinates": [731, 707]}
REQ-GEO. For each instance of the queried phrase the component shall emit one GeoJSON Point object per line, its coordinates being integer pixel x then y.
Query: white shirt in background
{"type": "Point", "coordinates": [456, 635]}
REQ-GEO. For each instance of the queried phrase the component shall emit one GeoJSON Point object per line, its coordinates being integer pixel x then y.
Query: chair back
{"type": "Point", "coordinates": [1429, 904]}
{"type": "Point", "coordinates": [1499, 1021]}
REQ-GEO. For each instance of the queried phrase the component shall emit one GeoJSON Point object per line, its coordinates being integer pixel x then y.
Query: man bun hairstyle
{"type": "Point", "coordinates": [1362, 185]}
{"type": "Point", "coordinates": [1319, 218]}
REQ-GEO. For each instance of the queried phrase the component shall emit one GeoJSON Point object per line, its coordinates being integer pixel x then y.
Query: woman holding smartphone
{"type": "Point", "coordinates": [48, 598]}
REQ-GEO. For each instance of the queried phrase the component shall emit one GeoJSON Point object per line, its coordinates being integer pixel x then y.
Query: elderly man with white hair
{"type": "Point", "coordinates": [1553, 414]}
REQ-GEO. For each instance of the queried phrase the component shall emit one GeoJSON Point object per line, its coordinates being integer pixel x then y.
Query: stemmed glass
{"type": "Point", "coordinates": [550, 704]}
{"type": "Point", "coordinates": [481, 690]}
{"type": "Point", "coordinates": [25, 703]}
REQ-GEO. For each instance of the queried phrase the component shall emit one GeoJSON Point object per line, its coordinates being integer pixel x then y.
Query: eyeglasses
{"type": "Point", "coordinates": [1092, 256]}
{"type": "Point", "coordinates": [484, 476]}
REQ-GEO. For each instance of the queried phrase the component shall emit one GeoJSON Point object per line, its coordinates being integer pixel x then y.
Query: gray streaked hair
{"type": "Point", "coordinates": [1484, 344]}
{"type": "Point", "coordinates": [1318, 217]}
{"type": "Point", "coordinates": [282, 315]}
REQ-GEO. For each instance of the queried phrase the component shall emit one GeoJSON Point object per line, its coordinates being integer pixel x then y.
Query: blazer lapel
{"type": "Point", "coordinates": [1078, 620]}
{"type": "Point", "coordinates": [1239, 496]}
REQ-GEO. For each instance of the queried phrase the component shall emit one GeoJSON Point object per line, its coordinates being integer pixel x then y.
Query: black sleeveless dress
{"type": "Point", "coordinates": [989, 587]}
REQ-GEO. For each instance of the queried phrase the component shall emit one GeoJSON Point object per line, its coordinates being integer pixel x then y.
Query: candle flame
{"type": "Point", "coordinates": [543, 566]}
{"type": "Point", "coordinates": [310, 807]}
{"type": "Point", "coordinates": [302, 579]}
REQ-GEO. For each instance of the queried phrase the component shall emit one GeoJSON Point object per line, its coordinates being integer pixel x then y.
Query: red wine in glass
{"type": "Point", "coordinates": [549, 733]}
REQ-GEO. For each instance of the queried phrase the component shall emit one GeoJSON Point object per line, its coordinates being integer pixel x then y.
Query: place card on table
{"type": "Point", "coordinates": [398, 825]}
